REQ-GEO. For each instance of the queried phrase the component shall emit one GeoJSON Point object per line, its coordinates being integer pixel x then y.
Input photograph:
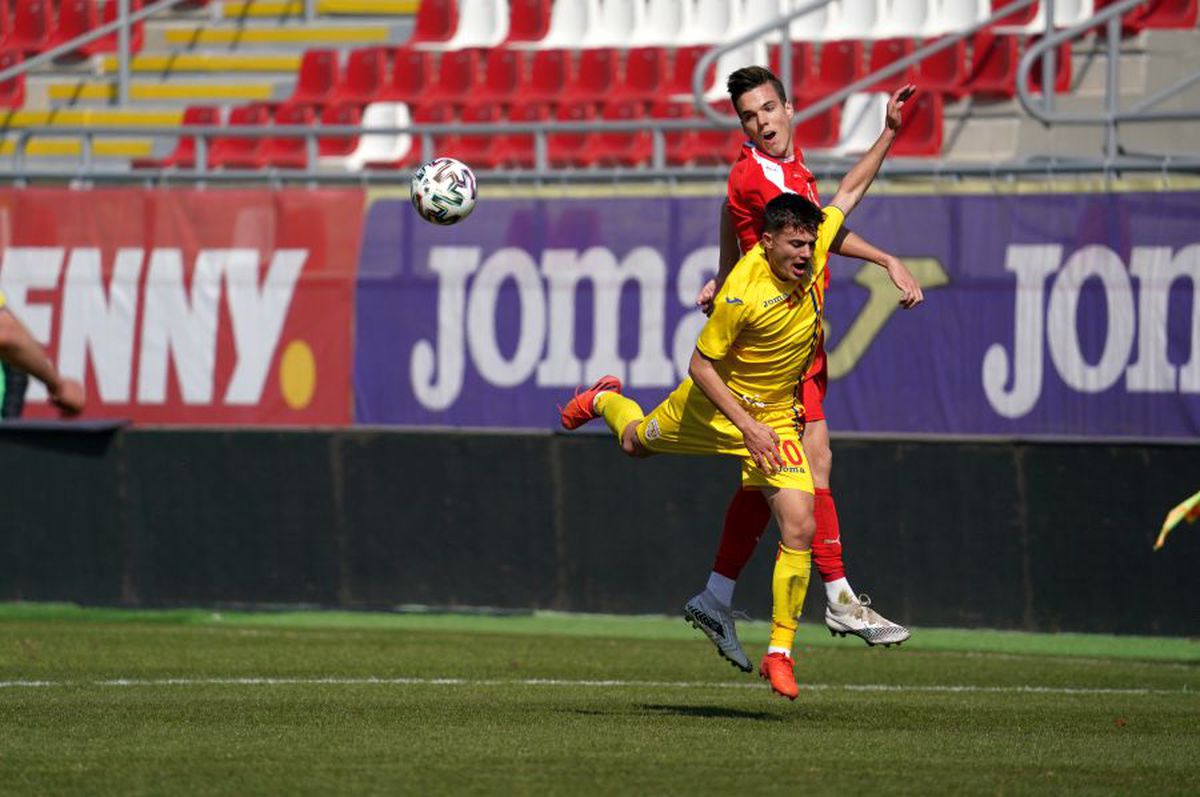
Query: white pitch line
{"type": "Point", "coordinates": [586, 684]}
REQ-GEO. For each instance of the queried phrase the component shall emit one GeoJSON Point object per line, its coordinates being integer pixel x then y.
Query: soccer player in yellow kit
{"type": "Point", "coordinates": [741, 396]}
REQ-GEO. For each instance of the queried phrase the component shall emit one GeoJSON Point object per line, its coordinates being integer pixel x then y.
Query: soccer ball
{"type": "Point", "coordinates": [443, 191]}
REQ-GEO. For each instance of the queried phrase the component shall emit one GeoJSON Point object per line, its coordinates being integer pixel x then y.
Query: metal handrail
{"type": "Point", "coordinates": [1112, 115]}
{"type": "Point", "coordinates": [783, 23]}
{"type": "Point", "coordinates": [121, 26]}
{"type": "Point", "coordinates": [659, 128]}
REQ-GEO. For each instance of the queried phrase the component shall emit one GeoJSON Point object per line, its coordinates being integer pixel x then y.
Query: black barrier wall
{"type": "Point", "coordinates": [1041, 537]}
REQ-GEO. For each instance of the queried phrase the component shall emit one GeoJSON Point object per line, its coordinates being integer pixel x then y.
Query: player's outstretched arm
{"type": "Point", "coordinates": [19, 348]}
{"type": "Point", "coordinates": [851, 244]}
{"type": "Point", "coordinates": [856, 182]}
{"type": "Point", "coordinates": [760, 439]}
{"type": "Point", "coordinates": [728, 258]}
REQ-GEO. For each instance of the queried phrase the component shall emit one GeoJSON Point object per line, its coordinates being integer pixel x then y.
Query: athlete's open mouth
{"type": "Point", "coordinates": [769, 135]}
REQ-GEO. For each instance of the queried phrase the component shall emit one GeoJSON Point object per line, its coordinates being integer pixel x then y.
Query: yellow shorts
{"type": "Point", "coordinates": [688, 423]}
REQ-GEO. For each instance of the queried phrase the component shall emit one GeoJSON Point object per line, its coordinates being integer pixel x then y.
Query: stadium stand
{"type": "Point", "coordinates": [499, 61]}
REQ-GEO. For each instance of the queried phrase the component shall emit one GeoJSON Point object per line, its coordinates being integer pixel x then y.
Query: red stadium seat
{"type": "Point", "coordinates": [596, 76]}
{"type": "Point", "coordinates": [1062, 70]}
{"type": "Point", "coordinates": [184, 154]}
{"type": "Point", "coordinates": [242, 152]}
{"type": "Point", "coordinates": [517, 149]}
{"type": "Point", "coordinates": [347, 113]}
{"type": "Point", "coordinates": [481, 150]}
{"type": "Point", "coordinates": [644, 76]}
{"type": "Point", "coordinates": [682, 67]}
{"type": "Point", "coordinates": [821, 131]}
{"type": "Point", "coordinates": [677, 143]}
{"type": "Point", "coordinates": [289, 152]}
{"type": "Point", "coordinates": [456, 76]}
{"type": "Point", "coordinates": [945, 71]}
{"type": "Point", "coordinates": [528, 20]}
{"type": "Point", "coordinates": [318, 77]}
{"type": "Point", "coordinates": [503, 73]}
{"type": "Point", "coordinates": [888, 51]}
{"type": "Point", "coordinates": [1022, 17]}
{"type": "Point", "coordinates": [629, 148]}
{"type": "Point", "coordinates": [993, 66]}
{"type": "Point", "coordinates": [841, 63]}
{"type": "Point", "coordinates": [803, 66]}
{"type": "Point", "coordinates": [12, 91]}
{"type": "Point", "coordinates": [922, 130]}
{"type": "Point", "coordinates": [75, 18]}
{"type": "Point", "coordinates": [571, 149]}
{"type": "Point", "coordinates": [5, 22]}
{"type": "Point", "coordinates": [549, 73]}
{"type": "Point", "coordinates": [717, 146]}
{"type": "Point", "coordinates": [1164, 14]}
{"type": "Point", "coordinates": [412, 71]}
{"type": "Point", "coordinates": [363, 79]}
{"type": "Point", "coordinates": [109, 43]}
{"type": "Point", "coordinates": [436, 21]}
{"type": "Point", "coordinates": [33, 26]}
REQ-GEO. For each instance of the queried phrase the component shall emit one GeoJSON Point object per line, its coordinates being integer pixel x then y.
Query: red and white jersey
{"type": "Point", "coordinates": [757, 178]}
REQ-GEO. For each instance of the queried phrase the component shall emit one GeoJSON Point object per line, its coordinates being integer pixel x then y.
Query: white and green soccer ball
{"type": "Point", "coordinates": [443, 191]}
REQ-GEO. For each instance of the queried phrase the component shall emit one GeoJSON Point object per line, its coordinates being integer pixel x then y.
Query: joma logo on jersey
{"type": "Point", "coordinates": [775, 301]}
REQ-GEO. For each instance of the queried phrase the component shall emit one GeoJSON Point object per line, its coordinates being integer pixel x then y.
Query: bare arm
{"type": "Point", "coordinates": [728, 258]}
{"type": "Point", "coordinates": [856, 182]}
{"type": "Point", "coordinates": [18, 348]}
{"type": "Point", "coordinates": [851, 244]}
{"type": "Point", "coordinates": [761, 440]}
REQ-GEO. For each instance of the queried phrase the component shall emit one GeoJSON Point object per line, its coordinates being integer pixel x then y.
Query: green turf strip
{"type": "Point", "coordinates": [114, 702]}
{"type": "Point", "coordinates": [615, 627]}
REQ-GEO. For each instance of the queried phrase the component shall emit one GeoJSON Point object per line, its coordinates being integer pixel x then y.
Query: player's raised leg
{"type": "Point", "coordinates": [845, 613]}
{"type": "Point", "coordinates": [793, 510]}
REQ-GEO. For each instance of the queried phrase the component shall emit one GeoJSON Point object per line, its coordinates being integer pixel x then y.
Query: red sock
{"type": "Point", "coordinates": [827, 542]}
{"type": "Point", "coordinates": [745, 521]}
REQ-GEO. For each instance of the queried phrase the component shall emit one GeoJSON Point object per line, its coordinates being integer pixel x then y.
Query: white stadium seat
{"type": "Point", "coordinates": [958, 15]}
{"type": "Point", "coordinates": [911, 19]}
{"type": "Point", "coordinates": [712, 22]}
{"type": "Point", "coordinates": [756, 13]}
{"type": "Point", "coordinates": [662, 23]}
{"type": "Point", "coordinates": [1066, 14]}
{"type": "Point", "coordinates": [863, 116]}
{"type": "Point", "coordinates": [615, 23]}
{"type": "Point", "coordinates": [754, 53]}
{"type": "Point", "coordinates": [816, 25]}
{"type": "Point", "coordinates": [481, 23]}
{"type": "Point", "coordinates": [569, 23]}
{"type": "Point", "coordinates": [377, 147]}
{"type": "Point", "coordinates": [855, 19]}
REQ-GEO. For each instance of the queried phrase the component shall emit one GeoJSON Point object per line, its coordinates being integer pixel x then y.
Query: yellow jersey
{"type": "Point", "coordinates": [763, 332]}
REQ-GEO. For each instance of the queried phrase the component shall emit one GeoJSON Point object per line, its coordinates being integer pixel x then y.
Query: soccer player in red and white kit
{"type": "Point", "coordinates": [770, 164]}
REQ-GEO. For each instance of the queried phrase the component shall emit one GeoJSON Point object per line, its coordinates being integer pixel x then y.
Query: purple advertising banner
{"type": "Point", "coordinates": [1056, 315]}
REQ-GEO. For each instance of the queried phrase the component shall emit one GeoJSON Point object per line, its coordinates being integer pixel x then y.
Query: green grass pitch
{"type": "Point", "coordinates": [193, 702]}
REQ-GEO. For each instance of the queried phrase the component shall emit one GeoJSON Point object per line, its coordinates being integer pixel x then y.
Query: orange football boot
{"type": "Point", "coordinates": [579, 409]}
{"type": "Point", "coordinates": [779, 669]}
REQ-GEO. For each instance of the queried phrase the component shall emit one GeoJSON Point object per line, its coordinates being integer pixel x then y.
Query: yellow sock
{"type": "Point", "coordinates": [789, 583]}
{"type": "Point", "coordinates": [618, 411]}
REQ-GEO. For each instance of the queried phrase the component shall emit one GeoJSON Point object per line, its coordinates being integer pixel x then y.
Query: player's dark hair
{"type": "Point", "coordinates": [749, 78]}
{"type": "Point", "coordinates": [791, 210]}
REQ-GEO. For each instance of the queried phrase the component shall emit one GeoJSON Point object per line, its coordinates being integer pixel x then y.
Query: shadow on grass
{"type": "Point", "coordinates": [710, 712]}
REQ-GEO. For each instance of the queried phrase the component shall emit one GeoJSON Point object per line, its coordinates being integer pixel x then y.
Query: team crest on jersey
{"type": "Point", "coordinates": [652, 430]}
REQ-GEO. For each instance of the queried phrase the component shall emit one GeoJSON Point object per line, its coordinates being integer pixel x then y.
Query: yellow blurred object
{"type": "Point", "coordinates": [1189, 510]}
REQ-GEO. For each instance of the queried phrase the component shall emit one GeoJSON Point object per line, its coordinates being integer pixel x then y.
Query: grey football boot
{"type": "Point", "coordinates": [706, 613]}
{"type": "Point", "coordinates": [855, 616]}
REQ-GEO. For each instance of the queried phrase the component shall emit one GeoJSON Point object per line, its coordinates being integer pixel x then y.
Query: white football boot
{"type": "Point", "coordinates": [858, 618]}
{"type": "Point", "coordinates": [706, 613]}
